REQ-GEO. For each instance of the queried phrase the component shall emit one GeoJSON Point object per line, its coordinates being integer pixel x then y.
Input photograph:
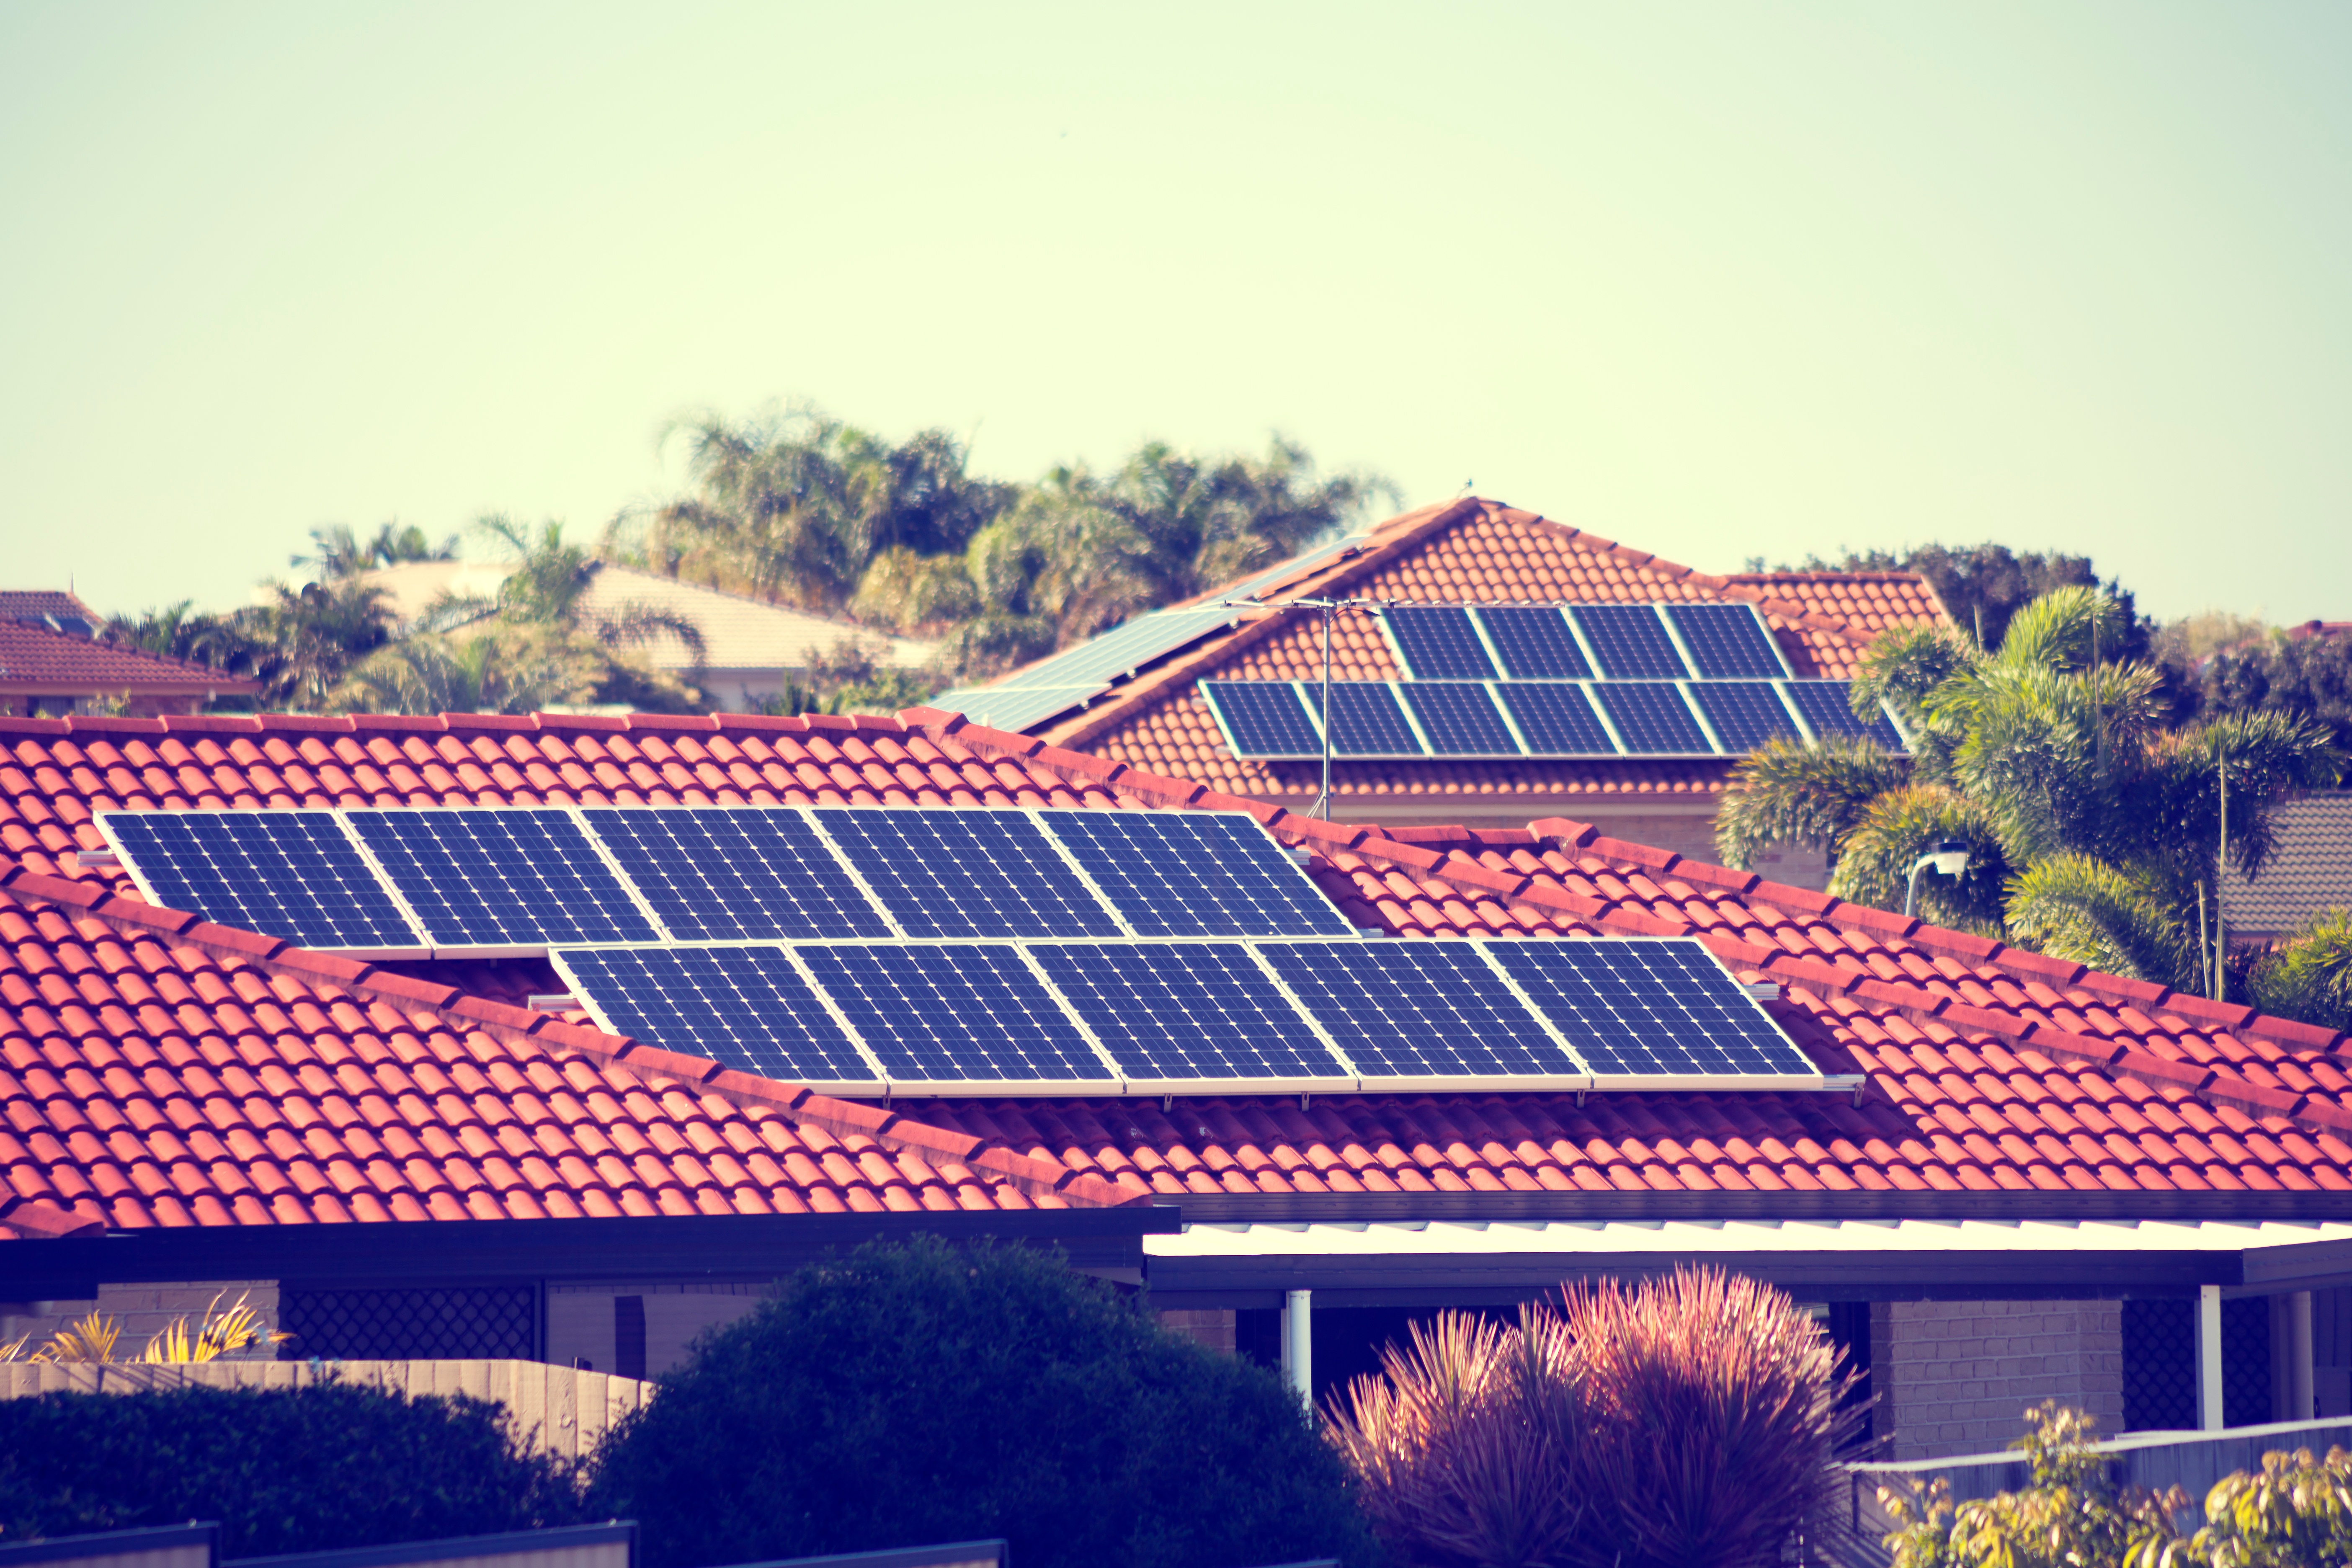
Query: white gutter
{"type": "Point", "coordinates": [1370, 1239]}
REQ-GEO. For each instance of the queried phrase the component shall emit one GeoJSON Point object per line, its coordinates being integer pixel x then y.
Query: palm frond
{"type": "Point", "coordinates": [2065, 630]}
{"type": "Point", "coordinates": [2087, 911]}
{"type": "Point", "coordinates": [1901, 826]}
{"type": "Point", "coordinates": [1812, 792]}
{"type": "Point", "coordinates": [2310, 977]}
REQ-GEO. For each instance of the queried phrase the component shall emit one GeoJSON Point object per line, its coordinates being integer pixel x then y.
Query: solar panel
{"type": "Point", "coordinates": [1653, 717]}
{"type": "Point", "coordinates": [959, 1013]}
{"type": "Point", "coordinates": [1649, 1008]}
{"type": "Point", "coordinates": [970, 873]}
{"type": "Point", "coordinates": [735, 872]}
{"type": "Point", "coordinates": [1405, 1010]}
{"type": "Point", "coordinates": [1188, 1011]}
{"type": "Point", "coordinates": [746, 1007]}
{"type": "Point", "coordinates": [1826, 707]}
{"type": "Point", "coordinates": [1195, 873]}
{"type": "Point", "coordinates": [1438, 643]}
{"type": "Point", "coordinates": [1014, 708]}
{"type": "Point", "coordinates": [1535, 642]}
{"type": "Point", "coordinates": [1630, 641]}
{"type": "Point", "coordinates": [1460, 719]}
{"type": "Point", "coordinates": [1557, 718]}
{"type": "Point", "coordinates": [511, 876]}
{"type": "Point", "coordinates": [1262, 717]}
{"type": "Point", "coordinates": [1728, 642]}
{"type": "Point", "coordinates": [1366, 722]}
{"type": "Point", "coordinates": [1745, 713]}
{"type": "Point", "coordinates": [290, 874]}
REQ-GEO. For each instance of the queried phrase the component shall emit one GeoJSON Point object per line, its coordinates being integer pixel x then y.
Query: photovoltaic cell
{"type": "Point", "coordinates": [1262, 717]}
{"type": "Point", "coordinates": [1417, 1009]}
{"type": "Point", "coordinates": [1438, 643]}
{"type": "Point", "coordinates": [1196, 873]}
{"type": "Point", "coordinates": [1731, 642]}
{"type": "Point", "coordinates": [1535, 642]}
{"type": "Point", "coordinates": [1366, 722]}
{"type": "Point", "coordinates": [735, 872]}
{"type": "Point", "coordinates": [1650, 1008]}
{"type": "Point", "coordinates": [1460, 719]}
{"type": "Point", "coordinates": [746, 1008]}
{"type": "Point", "coordinates": [1745, 713]}
{"type": "Point", "coordinates": [1826, 707]}
{"type": "Point", "coordinates": [1630, 641]}
{"type": "Point", "coordinates": [511, 876]}
{"type": "Point", "coordinates": [949, 873]}
{"type": "Point", "coordinates": [1188, 1010]}
{"type": "Point", "coordinates": [1557, 718]}
{"type": "Point", "coordinates": [289, 874]}
{"type": "Point", "coordinates": [1653, 717]}
{"type": "Point", "coordinates": [952, 1014]}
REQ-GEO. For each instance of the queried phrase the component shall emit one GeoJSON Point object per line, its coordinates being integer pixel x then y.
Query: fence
{"type": "Point", "coordinates": [555, 1409]}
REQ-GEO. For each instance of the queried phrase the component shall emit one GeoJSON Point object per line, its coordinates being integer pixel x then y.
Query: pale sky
{"type": "Point", "coordinates": [1715, 280]}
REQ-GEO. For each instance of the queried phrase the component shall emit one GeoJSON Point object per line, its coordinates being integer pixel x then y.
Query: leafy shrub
{"type": "Point", "coordinates": [916, 1393]}
{"type": "Point", "coordinates": [2072, 1512]}
{"type": "Point", "coordinates": [2296, 1513]}
{"type": "Point", "coordinates": [1687, 1421]}
{"type": "Point", "coordinates": [304, 1470]}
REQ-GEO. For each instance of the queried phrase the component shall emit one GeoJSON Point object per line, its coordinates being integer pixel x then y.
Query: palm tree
{"type": "Point", "coordinates": [2094, 834]}
{"type": "Point", "coordinates": [339, 551]}
{"type": "Point", "coordinates": [504, 671]}
{"type": "Point", "coordinates": [312, 635]}
{"type": "Point", "coordinates": [180, 631]}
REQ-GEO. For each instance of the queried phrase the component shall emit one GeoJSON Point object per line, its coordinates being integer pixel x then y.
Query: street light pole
{"type": "Point", "coordinates": [1950, 856]}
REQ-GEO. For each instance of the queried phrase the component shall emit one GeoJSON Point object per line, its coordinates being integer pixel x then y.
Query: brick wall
{"type": "Point", "coordinates": [1956, 1377]}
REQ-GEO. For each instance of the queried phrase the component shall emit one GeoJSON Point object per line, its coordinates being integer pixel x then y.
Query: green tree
{"type": "Point", "coordinates": [909, 1395]}
{"type": "Point", "coordinates": [226, 643]}
{"type": "Point", "coordinates": [2094, 831]}
{"type": "Point", "coordinates": [2072, 1514]}
{"type": "Point", "coordinates": [2308, 677]}
{"type": "Point", "coordinates": [313, 634]}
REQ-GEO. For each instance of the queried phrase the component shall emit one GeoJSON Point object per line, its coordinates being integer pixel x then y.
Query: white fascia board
{"type": "Point", "coordinates": [1439, 1238]}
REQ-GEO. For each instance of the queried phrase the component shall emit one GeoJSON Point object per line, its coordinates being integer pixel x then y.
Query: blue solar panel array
{"type": "Point", "coordinates": [520, 876]}
{"type": "Point", "coordinates": [1439, 643]}
{"type": "Point", "coordinates": [1728, 642]}
{"type": "Point", "coordinates": [1263, 718]}
{"type": "Point", "coordinates": [290, 874]}
{"type": "Point", "coordinates": [1460, 718]}
{"type": "Point", "coordinates": [1536, 642]}
{"type": "Point", "coordinates": [749, 1007]}
{"type": "Point", "coordinates": [1195, 873]}
{"type": "Point", "coordinates": [1156, 1016]}
{"type": "Point", "coordinates": [1630, 641]}
{"type": "Point", "coordinates": [1187, 1011]}
{"type": "Point", "coordinates": [1551, 718]}
{"type": "Point", "coordinates": [955, 1013]}
{"type": "Point", "coordinates": [395, 882]}
{"type": "Point", "coordinates": [718, 872]}
{"type": "Point", "coordinates": [1650, 1008]}
{"type": "Point", "coordinates": [973, 873]}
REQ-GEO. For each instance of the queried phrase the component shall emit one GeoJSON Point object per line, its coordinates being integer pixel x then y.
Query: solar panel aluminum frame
{"type": "Point", "coordinates": [424, 948]}
{"type": "Point", "coordinates": [1628, 1083]}
{"type": "Point", "coordinates": [1232, 735]}
{"type": "Point", "coordinates": [1805, 725]}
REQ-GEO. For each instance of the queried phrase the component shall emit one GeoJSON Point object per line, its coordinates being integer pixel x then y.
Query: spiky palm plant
{"type": "Point", "coordinates": [2094, 833]}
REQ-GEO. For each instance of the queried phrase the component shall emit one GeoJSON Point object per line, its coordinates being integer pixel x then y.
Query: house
{"type": "Point", "coordinates": [2014, 1178]}
{"type": "Point", "coordinates": [750, 649]}
{"type": "Point", "coordinates": [2307, 873]}
{"type": "Point", "coordinates": [52, 662]}
{"type": "Point", "coordinates": [1134, 695]}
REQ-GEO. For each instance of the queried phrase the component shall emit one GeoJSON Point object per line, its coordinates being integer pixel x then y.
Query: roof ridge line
{"type": "Point", "coordinates": [797, 1103]}
{"type": "Point", "coordinates": [456, 724]}
{"type": "Point", "coordinates": [1338, 571]}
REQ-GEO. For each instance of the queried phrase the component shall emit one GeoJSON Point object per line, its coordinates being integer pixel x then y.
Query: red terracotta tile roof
{"type": "Point", "coordinates": [158, 1072]}
{"type": "Point", "coordinates": [32, 604]}
{"type": "Point", "coordinates": [37, 661]}
{"type": "Point", "coordinates": [1473, 551]}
